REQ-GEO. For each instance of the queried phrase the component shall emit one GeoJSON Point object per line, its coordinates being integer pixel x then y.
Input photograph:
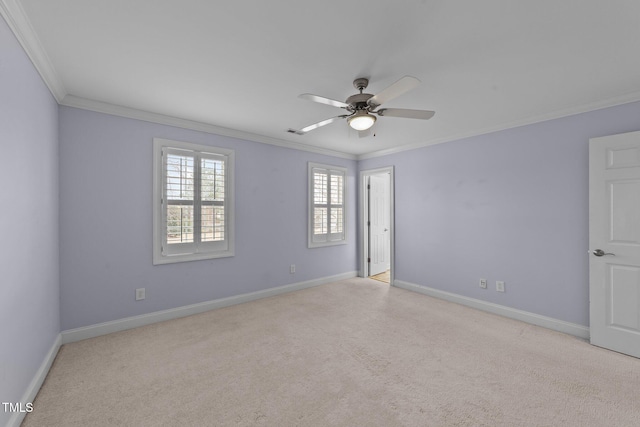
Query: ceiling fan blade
{"type": "Point", "coordinates": [320, 124]}
{"type": "Point", "coordinates": [406, 113]}
{"type": "Point", "coordinates": [403, 85]}
{"type": "Point", "coordinates": [323, 100]}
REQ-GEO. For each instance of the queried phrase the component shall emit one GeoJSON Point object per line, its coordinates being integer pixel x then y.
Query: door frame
{"type": "Point", "coordinates": [363, 203]}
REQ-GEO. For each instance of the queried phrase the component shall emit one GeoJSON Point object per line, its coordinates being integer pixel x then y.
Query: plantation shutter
{"type": "Point", "coordinates": [327, 195]}
{"type": "Point", "coordinates": [194, 214]}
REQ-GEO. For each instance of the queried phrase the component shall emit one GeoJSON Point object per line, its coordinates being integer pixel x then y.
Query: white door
{"type": "Point", "coordinates": [379, 218]}
{"type": "Point", "coordinates": [614, 242]}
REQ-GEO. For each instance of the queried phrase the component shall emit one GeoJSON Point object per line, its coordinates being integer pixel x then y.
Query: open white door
{"type": "Point", "coordinates": [614, 242]}
{"type": "Point", "coordinates": [379, 218]}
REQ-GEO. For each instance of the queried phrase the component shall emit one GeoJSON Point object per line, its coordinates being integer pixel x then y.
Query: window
{"type": "Point", "coordinates": [327, 216]}
{"type": "Point", "coordinates": [193, 202]}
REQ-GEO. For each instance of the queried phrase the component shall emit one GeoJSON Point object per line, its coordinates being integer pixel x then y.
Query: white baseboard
{"type": "Point", "coordinates": [77, 334]}
{"type": "Point", "coordinates": [524, 316]}
{"type": "Point", "coordinates": [33, 388]}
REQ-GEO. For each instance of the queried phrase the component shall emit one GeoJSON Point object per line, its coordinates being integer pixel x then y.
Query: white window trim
{"type": "Point", "coordinates": [310, 206]}
{"type": "Point", "coordinates": [158, 226]}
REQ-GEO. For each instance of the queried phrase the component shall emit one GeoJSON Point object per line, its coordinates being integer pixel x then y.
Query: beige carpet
{"type": "Point", "coordinates": [353, 353]}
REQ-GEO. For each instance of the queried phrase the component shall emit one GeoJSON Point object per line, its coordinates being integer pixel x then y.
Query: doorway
{"type": "Point", "coordinates": [377, 224]}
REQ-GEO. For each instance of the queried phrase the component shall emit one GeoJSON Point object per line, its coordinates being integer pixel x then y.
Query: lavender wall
{"type": "Point", "coordinates": [510, 205]}
{"type": "Point", "coordinates": [29, 285]}
{"type": "Point", "coordinates": [106, 227]}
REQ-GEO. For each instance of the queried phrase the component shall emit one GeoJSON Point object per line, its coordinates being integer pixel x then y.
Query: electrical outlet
{"type": "Point", "coordinates": [500, 286]}
{"type": "Point", "coordinates": [292, 269]}
{"type": "Point", "coordinates": [483, 283]}
{"type": "Point", "coordinates": [140, 294]}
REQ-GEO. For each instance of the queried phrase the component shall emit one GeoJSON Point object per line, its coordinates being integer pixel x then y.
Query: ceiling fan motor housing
{"type": "Point", "coordinates": [359, 101]}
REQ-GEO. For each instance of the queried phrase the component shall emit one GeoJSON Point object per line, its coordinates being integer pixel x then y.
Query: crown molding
{"type": "Point", "coordinates": [16, 18]}
{"type": "Point", "coordinates": [557, 114]}
{"type": "Point", "coordinates": [132, 113]}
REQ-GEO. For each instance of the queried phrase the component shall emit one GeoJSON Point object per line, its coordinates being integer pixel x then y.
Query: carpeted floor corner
{"type": "Point", "coordinates": [351, 353]}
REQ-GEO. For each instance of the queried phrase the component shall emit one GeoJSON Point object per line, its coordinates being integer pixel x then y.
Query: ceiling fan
{"type": "Point", "coordinates": [362, 107]}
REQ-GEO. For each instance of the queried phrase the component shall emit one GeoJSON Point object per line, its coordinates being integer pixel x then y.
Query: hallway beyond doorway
{"type": "Point", "coordinates": [385, 277]}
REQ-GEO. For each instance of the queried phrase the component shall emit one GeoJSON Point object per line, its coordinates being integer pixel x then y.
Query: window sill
{"type": "Point", "coordinates": [171, 259]}
{"type": "Point", "coordinates": [313, 245]}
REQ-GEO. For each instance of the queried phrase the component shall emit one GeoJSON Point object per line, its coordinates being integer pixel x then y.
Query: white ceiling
{"type": "Point", "coordinates": [484, 65]}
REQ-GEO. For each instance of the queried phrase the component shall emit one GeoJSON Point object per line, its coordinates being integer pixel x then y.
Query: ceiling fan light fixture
{"type": "Point", "coordinates": [361, 120]}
